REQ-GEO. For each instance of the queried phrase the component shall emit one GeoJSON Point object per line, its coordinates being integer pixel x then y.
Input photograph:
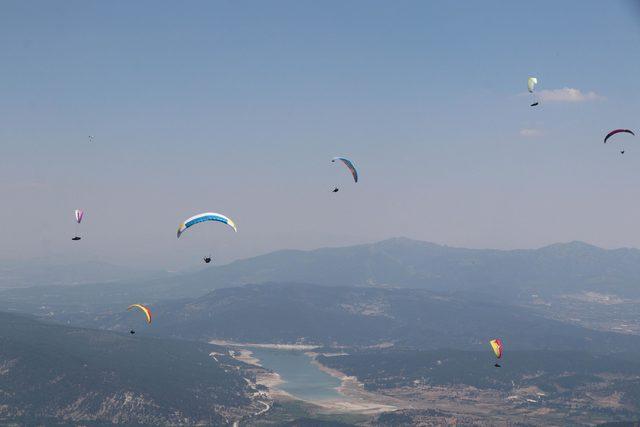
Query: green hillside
{"type": "Point", "coordinates": [79, 375]}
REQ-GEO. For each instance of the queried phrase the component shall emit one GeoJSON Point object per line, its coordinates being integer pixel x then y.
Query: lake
{"type": "Point", "coordinates": [302, 379]}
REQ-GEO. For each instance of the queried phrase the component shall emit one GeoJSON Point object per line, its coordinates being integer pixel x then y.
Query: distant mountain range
{"type": "Point", "coordinates": [401, 262]}
{"type": "Point", "coordinates": [532, 277]}
{"type": "Point", "coordinates": [574, 282]}
{"type": "Point", "coordinates": [51, 374]}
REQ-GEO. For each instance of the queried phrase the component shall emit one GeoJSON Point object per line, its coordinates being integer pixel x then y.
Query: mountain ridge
{"type": "Point", "coordinates": [340, 316]}
{"type": "Point", "coordinates": [521, 277]}
{"type": "Point", "coordinates": [86, 376]}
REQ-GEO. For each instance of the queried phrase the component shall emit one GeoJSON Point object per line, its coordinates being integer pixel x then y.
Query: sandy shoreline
{"type": "Point", "coordinates": [271, 380]}
{"type": "Point", "coordinates": [246, 356]}
{"type": "Point", "coordinates": [263, 345]}
{"type": "Point", "coordinates": [355, 400]}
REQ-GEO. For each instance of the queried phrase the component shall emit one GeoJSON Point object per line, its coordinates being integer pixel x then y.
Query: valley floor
{"type": "Point", "coordinates": [423, 404]}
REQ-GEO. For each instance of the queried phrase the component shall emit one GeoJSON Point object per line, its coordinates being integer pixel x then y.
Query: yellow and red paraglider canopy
{"type": "Point", "coordinates": [496, 345]}
{"type": "Point", "coordinates": [145, 310]}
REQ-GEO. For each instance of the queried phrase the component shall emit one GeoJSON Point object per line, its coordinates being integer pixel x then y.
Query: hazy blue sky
{"type": "Point", "coordinates": [237, 107]}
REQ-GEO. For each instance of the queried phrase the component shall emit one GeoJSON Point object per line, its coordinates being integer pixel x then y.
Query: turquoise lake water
{"type": "Point", "coordinates": [302, 379]}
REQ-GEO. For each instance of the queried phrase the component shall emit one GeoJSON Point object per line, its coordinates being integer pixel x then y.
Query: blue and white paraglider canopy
{"type": "Point", "coordinates": [203, 217]}
{"type": "Point", "coordinates": [349, 165]}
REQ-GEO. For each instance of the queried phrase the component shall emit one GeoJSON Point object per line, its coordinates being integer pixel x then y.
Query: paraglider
{"type": "Point", "coordinates": [79, 214]}
{"type": "Point", "coordinates": [531, 84]}
{"type": "Point", "coordinates": [349, 164]}
{"type": "Point", "coordinates": [204, 217]}
{"type": "Point", "coordinates": [617, 131]}
{"type": "Point", "coordinates": [496, 345]}
{"type": "Point", "coordinates": [144, 309]}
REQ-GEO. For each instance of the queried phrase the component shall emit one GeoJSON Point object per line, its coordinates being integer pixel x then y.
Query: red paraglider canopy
{"type": "Point", "coordinates": [613, 132]}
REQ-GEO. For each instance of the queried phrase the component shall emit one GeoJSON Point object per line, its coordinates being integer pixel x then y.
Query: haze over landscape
{"type": "Point", "coordinates": [478, 207]}
{"type": "Point", "coordinates": [240, 107]}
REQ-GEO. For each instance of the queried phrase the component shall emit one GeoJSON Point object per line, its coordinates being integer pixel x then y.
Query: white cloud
{"type": "Point", "coordinates": [530, 133]}
{"type": "Point", "coordinates": [567, 94]}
